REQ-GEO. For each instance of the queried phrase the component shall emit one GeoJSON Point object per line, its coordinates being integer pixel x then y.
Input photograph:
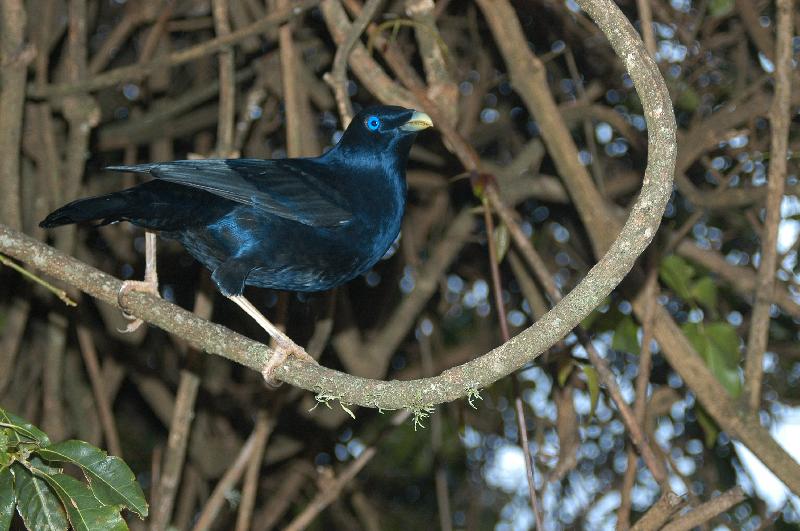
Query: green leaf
{"type": "Point", "coordinates": [109, 477]}
{"type": "Point", "coordinates": [502, 240]}
{"type": "Point", "coordinates": [39, 508]}
{"type": "Point", "coordinates": [720, 8]}
{"type": "Point", "coordinates": [688, 98]}
{"type": "Point", "coordinates": [21, 431]}
{"type": "Point", "coordinates": [626, 337]}
{"type": "Point", "coordinates": [85, 512]}
{"type": "Point", "coordinates": [593, 383]}
{"type": "Point", "coordinates": [676, 273]}
{"type": "Point", "coordinates": [564, 371]}
{"type": "Point", "coordinates": [704, 291]}
{"type": "Point", "coordinates": [724, 338]}
{"type": "Point", "coordinates": [718, 343]}
{"type": "Point", "coordinates": [590, 321]}
{"type": "Point", "coordinates": [5, 456]}
{"type": "Point", "coordinates": [7, 498]}
{"type": "Point", "coordinates": [710, 428]}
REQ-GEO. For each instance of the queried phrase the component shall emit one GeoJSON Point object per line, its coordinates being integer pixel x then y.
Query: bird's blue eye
{"type": "Point", "coordinates": [373, 123]}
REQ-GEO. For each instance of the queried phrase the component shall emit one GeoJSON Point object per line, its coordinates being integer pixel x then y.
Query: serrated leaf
{"type": "Point", "coordinates": [38, 506]}
{"type": "Point", "coordinates": [564, 371]}
{"type": "Point", "coordinates": [21, 431]}
{"type": "Point", "coordinates": [704, 291]}
{"type": "Point", "coordinates": [7, 498]}
{"type": "Point", "coordinates": [502, 240]}
{"type": "Point", "coordinates": [85, 512]}
{"type": "Point", "coordinates": [710, 428]}
{"type": "Point", "coordinates": [111, 480]}
{"type": "Point", "coordinates": [718, 344]}
{"type": "Point", "coordinates": [593, 383]}
{"type": "Point", "coordinates": [626, 337]}
{"type": "Point", "coordinates": [676, 273]}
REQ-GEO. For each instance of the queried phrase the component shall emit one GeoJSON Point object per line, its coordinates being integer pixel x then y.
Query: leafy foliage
{"type": "Point", "coordinates": [625, 336]}
{"type": "Point", "coordinates": [48, 499]}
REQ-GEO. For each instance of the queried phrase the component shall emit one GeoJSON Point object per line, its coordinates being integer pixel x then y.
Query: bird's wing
{"type": "Point", "coordinates": [285, 188]}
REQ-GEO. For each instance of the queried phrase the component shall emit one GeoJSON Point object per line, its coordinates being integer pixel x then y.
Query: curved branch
{"type": "Point", "coordinates": [459, 381]}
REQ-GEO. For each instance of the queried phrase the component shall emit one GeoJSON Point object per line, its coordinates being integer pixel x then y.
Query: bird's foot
{"type": "Point", "coordinates": [283, 348]}
{"type": "Point", "coordinates": [143, 286]}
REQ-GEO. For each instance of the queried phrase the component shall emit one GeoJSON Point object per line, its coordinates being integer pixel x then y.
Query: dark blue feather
{"type": "Point", "coordinates": [295, 224]}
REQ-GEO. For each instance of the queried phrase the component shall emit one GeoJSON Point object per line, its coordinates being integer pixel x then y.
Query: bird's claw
{"type": "Point", "coordinates": [134, 285]}
{"type": "Point", "coordinates": [283, 350]}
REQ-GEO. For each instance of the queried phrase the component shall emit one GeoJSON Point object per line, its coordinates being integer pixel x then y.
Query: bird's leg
{"type": "Point", "coordinates": [148, 285]}
{"type": "Point", "coordinates": [284, 345]}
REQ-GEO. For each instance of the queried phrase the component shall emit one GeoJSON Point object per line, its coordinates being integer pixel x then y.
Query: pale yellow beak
{"type": "Point", "coordinates": [417, 122]}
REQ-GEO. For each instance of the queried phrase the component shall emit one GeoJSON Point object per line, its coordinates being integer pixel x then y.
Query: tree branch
{"type": "Point", "coordinates": [457, 382]}
{"type": "Point", "coordinates": [780, 118]}
{"type": "Point", "coordinates": [139, 71]}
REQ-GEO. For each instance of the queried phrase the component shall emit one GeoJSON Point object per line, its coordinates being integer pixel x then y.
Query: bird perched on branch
{"type": "Point", "coordinates": [303, 224]}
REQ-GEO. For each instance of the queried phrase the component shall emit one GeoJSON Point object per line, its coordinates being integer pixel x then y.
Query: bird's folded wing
{"type": "Point", "coordinates": [285, 188]}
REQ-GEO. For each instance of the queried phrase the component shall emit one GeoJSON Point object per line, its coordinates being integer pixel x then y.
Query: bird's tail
{"type": "Point", "coordinates": [105, 209]}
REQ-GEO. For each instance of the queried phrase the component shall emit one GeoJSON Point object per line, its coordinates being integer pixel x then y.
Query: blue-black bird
{"type": "Point", "coordinates": [302, 224]}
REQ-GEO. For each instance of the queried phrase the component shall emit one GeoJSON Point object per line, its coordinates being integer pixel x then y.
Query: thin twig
{"type": "Point", "coordinates": [646, 21]}
{"type": "Point", "coordinates": [440, 473]}
{"type": "Point", "coordinates": [174, 456]}
{"type": "Point", "coordinates": [139, 71]}
{"type": "Point", "coordinates": [227, 85]}
{"type": "Point", "coordinates": [326, 496]}
{"type": "Point", "coordinates": [251, 477]}
{"type": "Point", "coordinates": [255, 442]}
{"type": "Point", "coordinates": [497, 290]}
{"type": "Point", "coordinates": [667, 505]}
{"type": "Point", "coordinates": [300, 140]}
{"type": "Point", "coordinates": [14, 58]}
{"type": "Point", "coordinates": [60, 293]}
{"type": "Point", "coordinates": [281, 499]}
{"type": "Point", "coordinates": [640, 405]}
{"type": "Point", "coordinates": [89, 353]}
{"type": "Point", "coordinates": [53, 420]}
{"type": "Point", "coordinates": [16, 320]}
{"type": "Point", "coordinates": [588, 129]}
{"type": "Point", "coordinates": [780, 118]}
{"type": "Point", "coordinates": [368, 71]}
{"type": "Point", "coordinates": [707, 511]}
{"type": "Point", "coordinates": [338, 76]}
{"type": "Point", "coordinates": [136, 13]}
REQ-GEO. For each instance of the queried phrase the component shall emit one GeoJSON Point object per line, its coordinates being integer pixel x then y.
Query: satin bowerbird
{"type": "Point", "coordinates": [299, 224]}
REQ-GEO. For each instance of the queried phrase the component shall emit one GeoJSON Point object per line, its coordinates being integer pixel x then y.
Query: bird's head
{"type": "Point", "coordinates": [384, 129]}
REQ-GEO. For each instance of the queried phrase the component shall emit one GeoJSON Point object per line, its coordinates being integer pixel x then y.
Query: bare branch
{"type": "Point", "coordinates": [667, 505]}
{"type": "Point", "coordinates": [338, 75]}
{"type": "Point", "coordinates": [170, 476]}
{"type": "Point", "coordinates": [706, 511]}
{"type": "Point", "coordinates": [139, 71]}
{"type": "Point", "coordinates": [780, 118]}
